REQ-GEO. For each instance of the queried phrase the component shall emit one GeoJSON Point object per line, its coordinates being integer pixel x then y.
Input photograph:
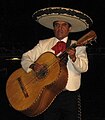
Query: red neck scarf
{"type": "Point", "coordinates": [59, 47]}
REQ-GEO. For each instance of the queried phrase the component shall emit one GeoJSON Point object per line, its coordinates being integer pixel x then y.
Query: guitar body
{"type": "Point", "coordinates": [32, 93]}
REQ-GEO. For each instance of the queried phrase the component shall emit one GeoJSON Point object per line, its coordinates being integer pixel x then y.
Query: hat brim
{"type": "Point", "coordinates": [78, 20]}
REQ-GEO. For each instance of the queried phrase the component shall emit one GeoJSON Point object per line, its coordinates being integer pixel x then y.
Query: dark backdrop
{"type": "Point", "coordinates": [19, 33]}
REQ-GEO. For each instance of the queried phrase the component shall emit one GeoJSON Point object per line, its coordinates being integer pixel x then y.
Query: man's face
{"type": "Point", "coordinates": [61, 29]}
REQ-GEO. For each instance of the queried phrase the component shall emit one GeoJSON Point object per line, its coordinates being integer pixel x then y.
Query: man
{"type": "Point", "coordinates": [66, 105]}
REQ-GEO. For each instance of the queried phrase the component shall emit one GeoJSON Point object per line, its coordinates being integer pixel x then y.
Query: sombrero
{"type": "Point", "coordinates": [79, 20]}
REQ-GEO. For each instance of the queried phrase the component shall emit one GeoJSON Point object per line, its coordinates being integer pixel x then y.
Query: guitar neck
{"type": "Point", "coordinates": [64, 55]}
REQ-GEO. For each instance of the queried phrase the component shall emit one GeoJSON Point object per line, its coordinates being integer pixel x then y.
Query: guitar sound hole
{"type": "Point", "coordinates": [42, 73]}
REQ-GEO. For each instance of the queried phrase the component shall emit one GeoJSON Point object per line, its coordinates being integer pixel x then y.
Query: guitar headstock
{"type": "Point", "coordinates": [87, 38]}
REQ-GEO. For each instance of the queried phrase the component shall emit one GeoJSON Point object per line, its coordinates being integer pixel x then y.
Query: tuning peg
{"type": "Point", "coordinates": [91, 43]}
{"type": "Point", "coordinates": [95, 39]}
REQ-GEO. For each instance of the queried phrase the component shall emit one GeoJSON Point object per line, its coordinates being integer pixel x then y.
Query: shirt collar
{"type": "Point", "coordinates": [64, 39]}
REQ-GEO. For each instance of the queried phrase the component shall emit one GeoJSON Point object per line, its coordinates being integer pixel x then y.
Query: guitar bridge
{"type": "Point", "coordinates": [22, 87]}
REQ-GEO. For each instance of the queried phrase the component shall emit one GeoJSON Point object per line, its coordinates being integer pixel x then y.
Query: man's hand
{"type": "Point", "coordinates": [71, 54]}
{"type": "Point", "coordinates": [36, 67]}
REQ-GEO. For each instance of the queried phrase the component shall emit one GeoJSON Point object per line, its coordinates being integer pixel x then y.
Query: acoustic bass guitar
{"type": "Point", "coordinates": [32, 93]}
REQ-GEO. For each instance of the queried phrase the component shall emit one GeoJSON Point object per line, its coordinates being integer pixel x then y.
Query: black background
{"type": "Point", "coordinates": [19, 33]}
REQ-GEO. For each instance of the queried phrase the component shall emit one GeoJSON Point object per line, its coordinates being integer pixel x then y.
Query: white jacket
{"type": "Point", "coordinates": [74, 68]}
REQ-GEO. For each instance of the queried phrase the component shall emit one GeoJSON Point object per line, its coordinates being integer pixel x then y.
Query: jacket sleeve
{"type": "Point", "coordinates": [30, 57]}
{"type": "Point", "coordinates": [81, 63]}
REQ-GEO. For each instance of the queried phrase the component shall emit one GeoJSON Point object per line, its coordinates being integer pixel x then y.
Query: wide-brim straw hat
{"type": "Point", "coordinates": [78, 20]}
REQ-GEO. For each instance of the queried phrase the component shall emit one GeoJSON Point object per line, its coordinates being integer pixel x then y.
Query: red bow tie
{"type": "Point", "coordinates": [59, 47]}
